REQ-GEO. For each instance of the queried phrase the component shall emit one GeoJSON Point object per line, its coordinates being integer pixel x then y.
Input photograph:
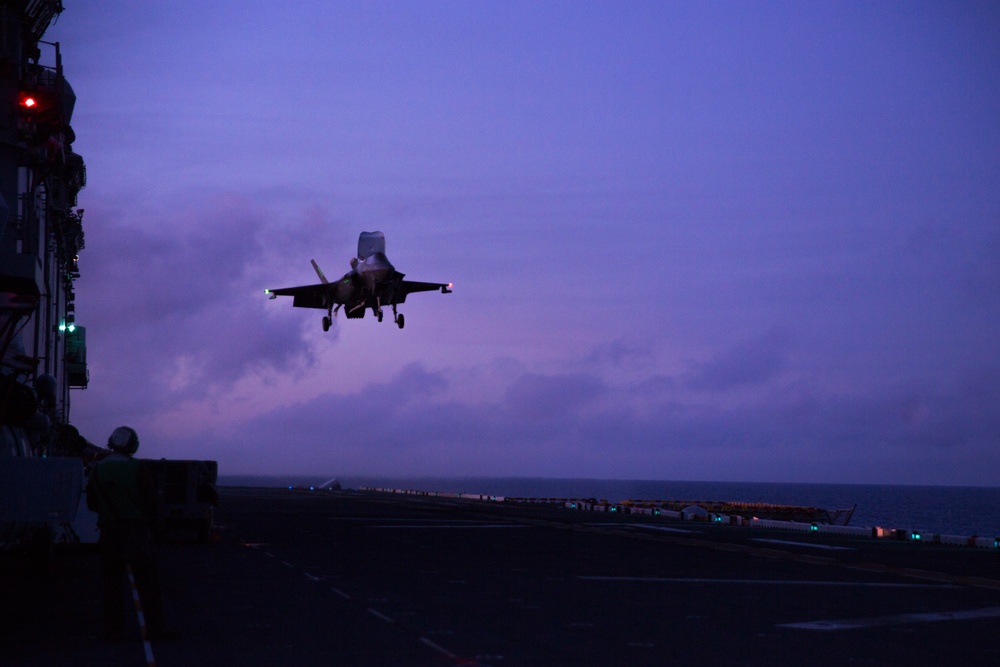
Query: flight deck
{"type": "Point", "coordinates": [300, 577]}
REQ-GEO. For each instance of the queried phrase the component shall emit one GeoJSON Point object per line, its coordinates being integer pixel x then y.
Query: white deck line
{"type": "Point", "coordinates": [137, 602]}
{"type": "Point", "coordinates": [440, 649]}
{"type": "Point", "coordinates": [453, 527]}
{"type": "Point", "coordinates": [802, 544]}
{"type": "Point", "coordinates": [377, 614]}
{"type": "Point", "coordinates": [898, 619]}
{"type": "Point", "coordinates": [764, 582]}
{"type": "Point", "coordinates": [664, 529]}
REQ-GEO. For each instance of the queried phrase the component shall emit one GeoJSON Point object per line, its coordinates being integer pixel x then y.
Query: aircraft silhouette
{"type": "Point", "coordinates": [372, 282]}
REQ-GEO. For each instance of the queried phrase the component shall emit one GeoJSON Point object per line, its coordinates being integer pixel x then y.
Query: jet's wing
{"type": "Point", "coordinates": [306, 296]}
{"type": "Point", "coordinates": [410, 286]}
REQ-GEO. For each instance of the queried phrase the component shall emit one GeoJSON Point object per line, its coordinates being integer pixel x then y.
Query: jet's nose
{"type": "Point", "coordinates": [376, 263]}
{"type": "Point", "coordinates": [374, 269]}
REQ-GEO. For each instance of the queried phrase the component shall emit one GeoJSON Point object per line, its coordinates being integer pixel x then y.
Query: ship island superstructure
{"type": "Point", "coordinates": [42, 348]}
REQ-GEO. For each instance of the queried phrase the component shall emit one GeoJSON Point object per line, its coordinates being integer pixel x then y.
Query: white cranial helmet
{"type": "Point", "coordinates": [124, 440]}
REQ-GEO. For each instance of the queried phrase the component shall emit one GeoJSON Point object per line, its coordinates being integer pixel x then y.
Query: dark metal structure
{"type": "Point", "coordinates": [42, 349]}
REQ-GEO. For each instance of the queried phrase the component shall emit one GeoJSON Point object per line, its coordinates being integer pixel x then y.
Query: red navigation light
{"type": "Point", "coordinates": [28, 101]}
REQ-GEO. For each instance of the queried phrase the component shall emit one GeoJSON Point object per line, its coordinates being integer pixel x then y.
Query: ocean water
{"type": "Point", "coordinates": [955, 510]}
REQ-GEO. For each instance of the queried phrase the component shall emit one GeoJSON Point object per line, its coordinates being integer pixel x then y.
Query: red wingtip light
{"type": "Point", "coordinates": [28, 102]}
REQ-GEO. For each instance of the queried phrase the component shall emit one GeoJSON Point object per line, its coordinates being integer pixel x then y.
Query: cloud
{"type": "Point", "coordinates": [189, 350]}
{"type": "Point", "coordinates": [622, 353]}
{"type": "Point", "coordinates": [175, 310]}
{"type": "Point", "coordinates": [750, 362]}
{"type": "Point", "coordinates": [714, 273]}
{"type": "Point", "coordinates": [578, 425]}
{"type": "Point", "coordinates": [535, 398]}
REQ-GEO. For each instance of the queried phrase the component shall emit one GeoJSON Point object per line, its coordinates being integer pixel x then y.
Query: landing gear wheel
{"type": "Point", "coordinates": [399, 320]}
{"type": "Point", "coordinates": [380, 316]}
{"type": "Point", "coordinates": [326, 323]}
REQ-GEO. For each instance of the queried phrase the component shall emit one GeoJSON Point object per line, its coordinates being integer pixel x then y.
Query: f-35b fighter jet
{"type": "Point", "coordinates": [372, 282]}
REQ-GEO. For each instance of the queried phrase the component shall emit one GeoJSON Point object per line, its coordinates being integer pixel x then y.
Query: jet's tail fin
{"type": "Point", "coordinates": [319, 273]}
{"type": "Point", "coordinates": [370, 243]}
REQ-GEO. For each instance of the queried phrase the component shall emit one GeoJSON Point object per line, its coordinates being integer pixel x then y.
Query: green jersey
{"type": "Point", "coordinates": [117, 492]}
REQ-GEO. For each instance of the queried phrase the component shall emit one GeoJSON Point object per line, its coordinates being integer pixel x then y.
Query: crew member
{"type": "Point", "coordinates": [122, 492]}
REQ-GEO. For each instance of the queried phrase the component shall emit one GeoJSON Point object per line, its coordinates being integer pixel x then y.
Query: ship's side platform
{"type": "Point", "coordinates": [299, 577]}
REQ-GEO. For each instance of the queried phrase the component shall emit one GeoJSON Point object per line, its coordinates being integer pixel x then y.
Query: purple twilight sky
{"type": "Point", "coordinates": [704, 241]}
